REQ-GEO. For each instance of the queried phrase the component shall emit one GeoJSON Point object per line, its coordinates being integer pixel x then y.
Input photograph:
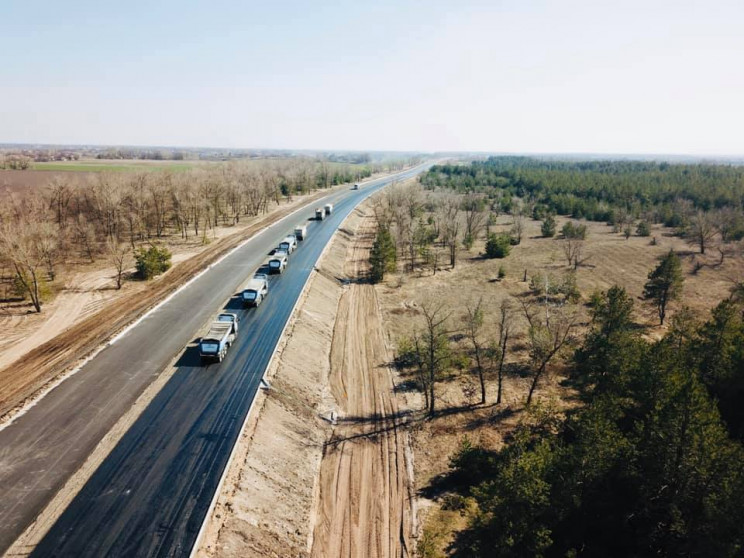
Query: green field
{"type": "Point", "coordinates": [103, 166]}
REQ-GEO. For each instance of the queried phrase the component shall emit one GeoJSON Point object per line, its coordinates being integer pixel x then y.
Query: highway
{"type": "Point", "coordinates": [151, 494]}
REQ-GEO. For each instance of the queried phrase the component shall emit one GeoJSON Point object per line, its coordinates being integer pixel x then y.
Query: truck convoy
{"type": "Point", "coordinates": [319, 214]}
{"type": "Point", "coordinates": [288, 244]}
{"type": "Point", "coordinates": [221, 334]}
{"type": "Point", "coordinates": [255, 291]}
{"type": "Point", "coordinates": [300, 232]}
{"type": "Point", "coordinates": [278, 262]}
{"type": "Point", "coordinates": [328, 208]}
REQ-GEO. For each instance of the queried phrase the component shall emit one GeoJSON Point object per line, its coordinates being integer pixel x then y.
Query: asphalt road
{"type": "Point", "coordinates": [150, 495]}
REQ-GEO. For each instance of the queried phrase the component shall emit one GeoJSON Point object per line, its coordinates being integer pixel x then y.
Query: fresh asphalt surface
{"type": "Point", "coordinates": [151, 494]}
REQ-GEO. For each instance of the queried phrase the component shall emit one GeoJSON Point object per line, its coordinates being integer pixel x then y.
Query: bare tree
{"type": "Point", "coordinates": [85, 236]}
{"type": "Point", "coordinates": [450, 219]}
{"type": "Point", "coordinates": [22, 243]}
{"type": "Point", "coordinates": [61, 193]}
{"type": "Point", "coordinates": [473, 321]}
{"type": "Point", "coordinates": [47, 244]}
{"type": "Point", "coordinates": [546, 339]}
{"type": "Point", "coordinates": [573, 249]}
{"type": "Point", "coordinates": [435, 352]}
{"type": "Point", "coordinates": [728, 221]}
{"type": "Point", "coordinates": [702, 230]}
{"type": "Point", "coordinates": [120, 256]}
{"type": "Point", "coordinates": [504, 331]}
{"type": "Point", "coordinates": [412, 197]}
{"type": "Point", "coordinates": [475, 218]}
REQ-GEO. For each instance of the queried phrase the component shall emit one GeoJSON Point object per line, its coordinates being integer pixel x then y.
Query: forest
{"type": "Point", "coordinates": [604, 190]}
{"type": "Point", "coordinates": [649, 464]}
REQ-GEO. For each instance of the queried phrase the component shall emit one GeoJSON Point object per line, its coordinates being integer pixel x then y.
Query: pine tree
{"type": "Point", "coordinates": [664, 283]}
{"type": "Point", "coordinates": [382, 257]}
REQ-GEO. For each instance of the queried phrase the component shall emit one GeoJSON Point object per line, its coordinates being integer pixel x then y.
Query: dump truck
{"type": "Point", "coordinates": [214, 344]}
{"type": "Point", "coordinates": [255, 291]}
{"type": "Point", "coordinates": [300, 232]}
{"type": "Point", "coordinates": [278, 262]}
{"type": "Point", "coordinates": [288, 244]}
{"type": "Point", "coordinates": [231, 318]}
{"type": "Point", "coordinates": [328, 208]}
{"type": "Point", "coordinates": [319, 213]}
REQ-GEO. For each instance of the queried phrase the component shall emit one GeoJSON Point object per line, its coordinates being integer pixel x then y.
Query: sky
{"type": "Point", "coordinates": [560, 76]}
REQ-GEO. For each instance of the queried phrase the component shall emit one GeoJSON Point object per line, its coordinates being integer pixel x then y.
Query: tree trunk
{"type": "Point", "coordinates": [533, 387]}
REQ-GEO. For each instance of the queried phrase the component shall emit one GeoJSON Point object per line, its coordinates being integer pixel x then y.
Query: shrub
{"type": "Point", "coordinates": [548, 227]}
{"type": "Point", "coordinates": [502, 272]}
{"type": "Point", "coordinates": [574, 230]}
{"type": "Point", "coordinates": [20, 288]}
{"type": "Point", "coordinates": [498, 245]}
{"type": "Point", "coordinates": [643, 229]}
{"type": "Point", "coordinates": [151, 262]}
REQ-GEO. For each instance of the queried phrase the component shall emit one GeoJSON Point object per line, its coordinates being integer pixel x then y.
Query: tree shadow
{"type": "Point", "coordinates": [406, 386]}
{"type": "Point", "coordinates": [497, 415]}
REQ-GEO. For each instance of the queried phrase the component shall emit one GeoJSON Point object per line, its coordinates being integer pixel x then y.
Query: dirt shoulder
{"type": "Point", "coordinates": [86, 314]}
{"type": "Point", "coordinates": [364, 506]}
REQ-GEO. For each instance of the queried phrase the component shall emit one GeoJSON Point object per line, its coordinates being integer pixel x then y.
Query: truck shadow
{"type": "Point", "coordinates": [190, 357]}
{"type": "Point", "coordinates": [235, 304]}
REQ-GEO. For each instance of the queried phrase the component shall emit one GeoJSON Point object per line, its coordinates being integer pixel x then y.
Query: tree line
{"type": "Point", "coordinates": [121, 216]}
{"type": "Point", "coordinates": [677, 195]}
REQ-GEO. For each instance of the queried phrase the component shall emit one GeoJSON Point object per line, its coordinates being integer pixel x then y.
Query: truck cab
{"type": "Point", "coordinates": [328, 208]}
{"type": "Point", "coordinates": [355, 187]}
{"type": "Point", "coordinates": [319, 214]}
{"type": "Point", "coordinates": [278, 262]}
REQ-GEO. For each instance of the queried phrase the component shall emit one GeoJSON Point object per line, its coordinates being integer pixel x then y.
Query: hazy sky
{"type": "Point", "coordinates": [519, 75]}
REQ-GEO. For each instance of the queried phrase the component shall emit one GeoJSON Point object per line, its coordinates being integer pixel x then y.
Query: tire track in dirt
{"type": "Point", "coordinates": [364, 507]}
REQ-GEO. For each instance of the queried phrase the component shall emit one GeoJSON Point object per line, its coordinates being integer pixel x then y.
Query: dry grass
{"type": "Point", "coordinates": [611, 259]}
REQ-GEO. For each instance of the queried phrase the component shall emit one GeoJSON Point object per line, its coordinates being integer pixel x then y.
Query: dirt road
{"type": "Point", "coordinates": [365, 506]}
